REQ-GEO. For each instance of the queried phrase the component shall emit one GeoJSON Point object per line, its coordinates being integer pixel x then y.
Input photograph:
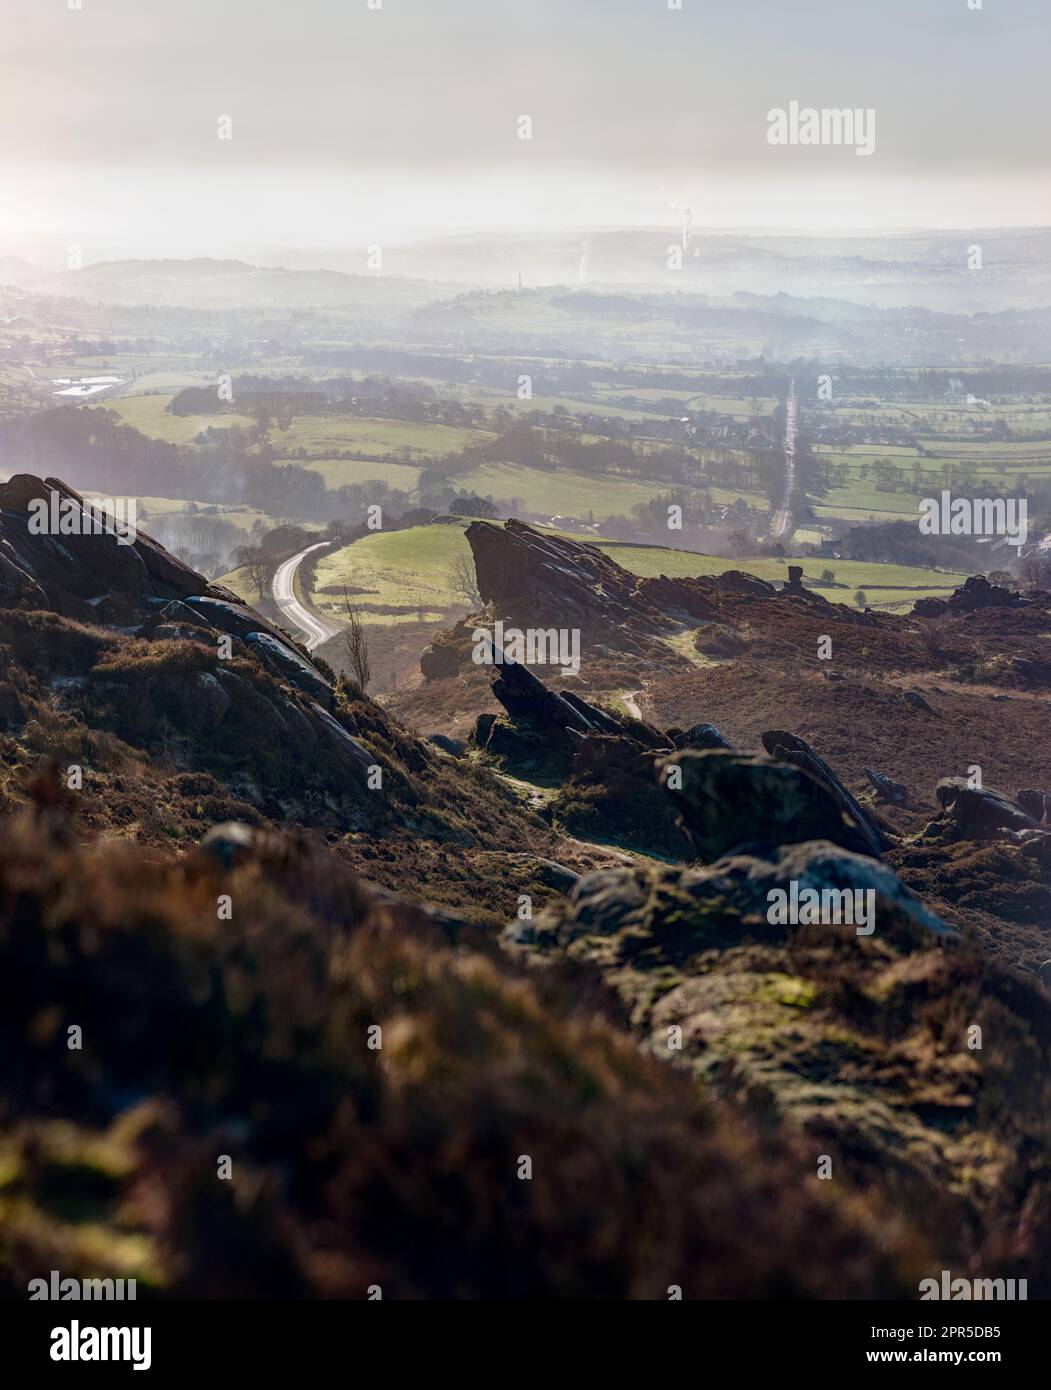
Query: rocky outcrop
{"type": "Point", "coordinates": [452, 746]}
{"type": "Point", "coordinates": [607, 765]}
{"type": "Point", "coordinates": [529, 578]}
{"type": "Point", "coordinates": [733, 802]}
{"type": "Point", "coordinates": [919, 701]}
{"type": "Point", "coordinates": [530, 704]}
{"type": "Point", "coordinates": [793, 749]}
{"type": "Point", "coordinates": [446, 655]}
{"type": "Point", "coordinates": [289, 664]}
{"type": "Point", "coordinates": [549, 580]}
{"type": "Point", "coordinates": [982, 813]}
{"type": "Point", "coordinates": [602, 762]}
{"type": "Point", "coordinates": [977, 593]}
{"type": "Point", "coordinates": [728, 901]}
{"type": "Point", "coordinates": [793, 587]}
{"type": "Point", "coordinates": [532, 579]}
{"type": "Point", "coordinates": [91, 575]}
{"type": "Point", "coordinates": [18, 588]}
{"type": "Point", "coordinates": [700, 736]}
{"type": "Point", "coordinates": [886, 788]}
{"type": "Point", "coordinates": [91, 567]}
{"type": "Point", "coordinates": [856, 1039]}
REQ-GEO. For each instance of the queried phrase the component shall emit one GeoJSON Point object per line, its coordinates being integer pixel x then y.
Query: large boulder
{"type": "Point", "coordinates": [727, 902]}
{"type": "Point", "coordinates": [539, 577]}
{"type": "Point", "coordinates": [975, 593]}
{"type": "Point", "coordinates": [1036, 804]}
{"type": "Point", "coordinates": [702, 736]}
{"type": "Point", "coordinates": [212, 701]}
{"type": "Point", "coordinates": [982, 813]}
{"type": "Point", "coordinates": [441, 660]}
{"type": "Point", "coordinates": [733, 801]}
{"type": "Point", "coordinates": [790, 748]}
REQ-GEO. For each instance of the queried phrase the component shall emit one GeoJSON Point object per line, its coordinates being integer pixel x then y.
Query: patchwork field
{"type": "Point", "coordinates": [567, 493]}
{"type": "Point", "coordinates": [888, 452]}
{"type": "Point", "coordinates": [320, 436]}
{"type": "Point", "coordinates": [559, 493]}
{"type": "Point", "coordinates": [151, 417]}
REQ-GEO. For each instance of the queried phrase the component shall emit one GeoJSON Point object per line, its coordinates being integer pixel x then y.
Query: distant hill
{"type": "Point", "coordinates": [14, 270]}
{"type": "Point", "coordinates": [205, 283]}
{"type": "Point", "coordinates": [894, 269]}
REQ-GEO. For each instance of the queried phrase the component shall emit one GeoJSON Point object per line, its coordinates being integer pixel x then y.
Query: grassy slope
{"type": "Point", "coordinates": [398, 568]}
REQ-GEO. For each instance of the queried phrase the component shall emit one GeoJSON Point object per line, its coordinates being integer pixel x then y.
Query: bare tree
{"type": "Point", "coordinates": [259, 565]}
{"type": "Point", "coordinates": [463, 581]}
{"type": "Point", "coordinates": [355, 645]}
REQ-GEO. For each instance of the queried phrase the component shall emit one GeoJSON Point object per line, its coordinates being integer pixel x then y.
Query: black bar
{"type": "Point", "coordinates": [242, 1338]}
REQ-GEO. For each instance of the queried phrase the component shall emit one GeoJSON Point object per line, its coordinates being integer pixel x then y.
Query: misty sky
{"type": "Point", "coordinates": [351, 125]}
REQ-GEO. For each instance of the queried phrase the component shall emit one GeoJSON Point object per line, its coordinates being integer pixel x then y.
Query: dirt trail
{"type": "Point", "coordinates": [631, 703]}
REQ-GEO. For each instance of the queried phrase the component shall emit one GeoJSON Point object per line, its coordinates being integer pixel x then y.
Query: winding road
{"type": "Point", "coordinates": [315, 629]}
{"type": "Point", "coordinates": [782, 518]}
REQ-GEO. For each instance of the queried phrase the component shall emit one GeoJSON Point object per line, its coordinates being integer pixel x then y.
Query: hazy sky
{"type": "Point", "coordinates": [351, 124]}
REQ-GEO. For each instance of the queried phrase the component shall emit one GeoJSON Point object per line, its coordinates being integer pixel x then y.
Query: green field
{"type": "Point", "coordinates": [650, 561]}
{"type": "Point", "coordinates": [324, 435]}
{"type": "Point", "coordinates": [548, 404]}
{"type": "Point", "coordinates": [893, 511]}
{"type": "Point", "coordinates": [339, 473]}
{"type": "Point", "coordinates": [946, 454]}
{"type": "Point", "coordinates": [893, 587]}
{"type": "Point", "coordinates": [566, 493]}
{"type": "Point", "coordinates": [151, 417]}
{"type": "Point", "coordinates": [406, 570]}
{"type": "Point", "coordinates": [320, 435]}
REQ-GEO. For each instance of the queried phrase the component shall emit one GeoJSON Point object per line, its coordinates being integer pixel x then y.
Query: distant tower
{"type": "Point", "coordinates": [519, 282]}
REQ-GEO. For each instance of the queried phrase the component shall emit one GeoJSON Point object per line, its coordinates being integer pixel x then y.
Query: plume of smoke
{"type": "Point", "coordinates": [687, 222]}
{"type": "Point", "coordinates": [582, 268]}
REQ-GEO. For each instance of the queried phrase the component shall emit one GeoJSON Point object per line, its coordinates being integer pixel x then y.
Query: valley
{"type": "Point", "coordinates": [745, 675]}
